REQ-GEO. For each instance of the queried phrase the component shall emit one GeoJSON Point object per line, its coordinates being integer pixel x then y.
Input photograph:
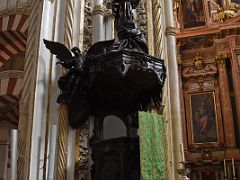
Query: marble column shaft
{"type": "Point", "coordinates": [98, 33]}
{"type": "Point", "coordinates": [173, 89]}
{"type": "Point", "coordinates": [226, 103]}
{"type": "Point", "coordinates": [109, 25]}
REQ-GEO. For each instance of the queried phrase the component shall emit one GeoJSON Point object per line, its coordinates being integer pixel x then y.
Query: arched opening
{"type": "Point", "coordinates": [16, 63]}
{"type": "Point", "coordinates": [113, 127]}
{"type": "Point", "coordinates": [12, 56]}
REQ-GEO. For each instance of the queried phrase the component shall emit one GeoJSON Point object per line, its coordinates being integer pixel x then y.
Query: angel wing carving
{"type": "Point", "coordinates": [63, 54]}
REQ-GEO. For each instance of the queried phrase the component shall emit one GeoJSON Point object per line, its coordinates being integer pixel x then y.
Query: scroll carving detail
{"type": "Point", "coordinates": [87, 26]}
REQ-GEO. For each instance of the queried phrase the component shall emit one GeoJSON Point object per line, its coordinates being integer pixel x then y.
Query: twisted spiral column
{"type": "Point", "coordinates": [158, 29]}
{"type": "Point", "coordinates": [27, 95]}
{"type": "Point", "coordinates": [63, 119]}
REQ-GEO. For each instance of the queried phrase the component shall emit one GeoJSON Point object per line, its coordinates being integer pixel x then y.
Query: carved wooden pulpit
{"type": "Point", "coordinates": [115, 77]}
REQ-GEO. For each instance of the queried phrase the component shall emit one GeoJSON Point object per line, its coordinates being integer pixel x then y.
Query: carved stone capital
{"type": "Point", "coordinates": [51, 1]}
{"type": "Point", "coordinates": [108, 13]}
{"type": "Point", "coordinates": [171, 31]}
{"type": "Point", "coordinates": [99, 9]}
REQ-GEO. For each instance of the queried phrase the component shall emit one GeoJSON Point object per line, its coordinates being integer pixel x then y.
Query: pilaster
{"type": "Point", "coordinates": [236, 81]}
{"type": "Point", "coordinates": [226, 102]}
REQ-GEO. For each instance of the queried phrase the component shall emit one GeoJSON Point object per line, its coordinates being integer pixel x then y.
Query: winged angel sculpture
{"type": "Point", "coordinates": [73, 84]}
{"type": "Point", "coordinates": [74, 65]}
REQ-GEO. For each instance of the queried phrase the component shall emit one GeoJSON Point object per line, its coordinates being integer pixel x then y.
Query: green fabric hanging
{"type": "Point", "coordinates": [152, 146]}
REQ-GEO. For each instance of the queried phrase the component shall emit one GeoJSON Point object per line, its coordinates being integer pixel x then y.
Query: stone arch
{"type": "Point", "coordinates": [14, 22]}
{"type": "Point", "coordinates": [13, 41]}
{"type": "Point", "coordinates": [13, 35]}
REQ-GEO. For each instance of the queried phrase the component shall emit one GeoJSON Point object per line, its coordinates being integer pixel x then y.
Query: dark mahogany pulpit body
{"type": "Point", "coordinates": [115, 77]}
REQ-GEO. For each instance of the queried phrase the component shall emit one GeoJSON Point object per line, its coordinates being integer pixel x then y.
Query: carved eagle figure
{"type": "Point", "coordinates": [64, 55]}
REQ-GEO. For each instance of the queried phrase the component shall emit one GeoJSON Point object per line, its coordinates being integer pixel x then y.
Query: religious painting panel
{"type": "Point", "coordinates": [193, 13]}
{"type": "Point", "coordinates": [203, 117]}
{"type": "Point", "coordinates": [203, 114]}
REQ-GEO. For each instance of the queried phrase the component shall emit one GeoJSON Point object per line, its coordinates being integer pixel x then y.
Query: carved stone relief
{"type": "Point", "coordinates": [142, 18]}
{"type": "Point", "coordinates": [84, 152]}
{"type": "Point", "coordinates": [87, 26]}
{"type": "Point", "coordinates": [84, 131]}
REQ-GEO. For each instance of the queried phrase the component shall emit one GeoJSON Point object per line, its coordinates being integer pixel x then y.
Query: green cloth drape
{"type": "Point", "coordinates": [152, 146]}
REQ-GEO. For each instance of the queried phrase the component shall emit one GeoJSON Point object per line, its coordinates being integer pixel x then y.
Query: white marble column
{"type": "Point", "coordinates": [98, 29]}
{"type": "Point", "coordinates": [109, 28]}
{"type": "Point", "coordinates": [173, 89]}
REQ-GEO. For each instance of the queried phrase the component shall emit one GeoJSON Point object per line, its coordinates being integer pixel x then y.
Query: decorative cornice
{"type": "Point", "coordinates": [23, 11]}
{"type": "Point", "coordinates": [170, 31]}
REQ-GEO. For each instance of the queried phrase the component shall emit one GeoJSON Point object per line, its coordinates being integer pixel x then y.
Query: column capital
{"type": "Point", "coordinates": [221, 59]}
{"type": "Point", "coordinates": [170, 31]}
{"type": "Point", "coordinates": [108, 13]}
{"type": "Point", "coordinates": [99, 9]}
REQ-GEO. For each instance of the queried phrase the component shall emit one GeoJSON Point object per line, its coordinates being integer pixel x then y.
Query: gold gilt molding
{"type": "Point", "coordinates": [22, 11]}
{"type": "Point", "coordinates": [171, 31]}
